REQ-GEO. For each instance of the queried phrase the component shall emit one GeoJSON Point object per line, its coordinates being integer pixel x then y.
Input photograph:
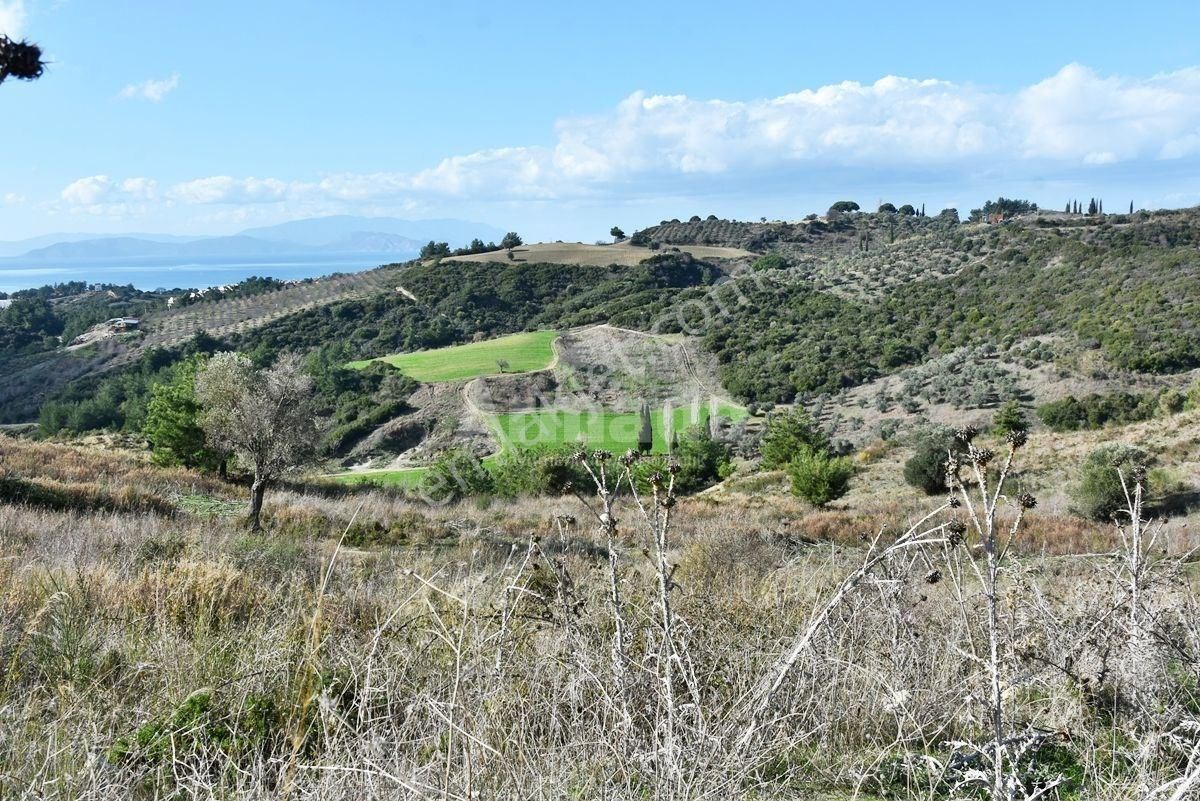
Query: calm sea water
{"type": "Point", "coordinates": [167, 274]}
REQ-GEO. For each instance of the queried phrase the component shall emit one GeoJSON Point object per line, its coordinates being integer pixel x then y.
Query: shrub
{"type": "Point", "coordinates": [1171, 401]}
{"type": "Point", "coordinates": [456, 474]}
{"type": "Point", "coordinates": [541, 470]}
{"type": "Point", "coordinates": [787, 435]}
{"type": "Point", "coordinates": [819, 478]}
{"type": "Point", "coordinates": [1010, 417]}
{"type": "Point", "coordinates": [1100, 494]}
{"type": "Point", "coordinates": [1193, 397]}
{"type": "Point", "coordinates": [926, 468]}
{"type": "Point", "coordinates": [702, 460]}
{"type": "Point", "coordinates": [772, 261]}
{"type": "Point", "coordinates": [1097, 411]}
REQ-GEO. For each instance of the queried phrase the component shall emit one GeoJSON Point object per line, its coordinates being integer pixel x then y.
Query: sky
{"type": "Point", "coordinates": [560, 120]}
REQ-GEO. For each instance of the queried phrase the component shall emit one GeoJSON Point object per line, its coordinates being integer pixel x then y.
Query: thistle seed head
{"type": "Point", "coordinates": [966, 434]}
{"type": "Point", "coordinates": [1026, 501]}
{"type": "Point", "coordinates": [1017, 438]}
{"type": "Point", "coordinates": [956, 532]}
{"type": "Point", "coordinates": [981, 456]}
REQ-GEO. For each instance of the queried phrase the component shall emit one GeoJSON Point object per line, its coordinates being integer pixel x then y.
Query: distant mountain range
{"type": "Point", "coordinates": [341, 235]}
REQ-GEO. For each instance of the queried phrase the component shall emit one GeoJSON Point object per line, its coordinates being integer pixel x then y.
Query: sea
{"type": "Point", "coordinates": [161, 273]}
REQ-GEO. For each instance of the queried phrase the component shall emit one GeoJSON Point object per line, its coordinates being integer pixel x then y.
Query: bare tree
{"type": "Point", "coordinates": [264, 417]}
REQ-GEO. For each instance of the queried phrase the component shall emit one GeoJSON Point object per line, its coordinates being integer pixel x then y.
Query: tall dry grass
{"type": "Point", "coordinates": [469, 653]}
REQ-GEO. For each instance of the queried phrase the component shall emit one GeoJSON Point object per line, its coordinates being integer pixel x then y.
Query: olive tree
{"type": "Point", "coordinates": [265, 417]}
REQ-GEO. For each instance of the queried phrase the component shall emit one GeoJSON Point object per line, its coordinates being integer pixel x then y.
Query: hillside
{"type": "Point", "coordinates": [878, 321]}
{"type": "Point", "coordinates": [620, 253]}
{"type": "Point", "coordinates": [551, 505]}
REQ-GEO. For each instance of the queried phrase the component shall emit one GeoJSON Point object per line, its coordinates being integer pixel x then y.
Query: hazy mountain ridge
{"type": "Point", "coordinates": [338, 234]}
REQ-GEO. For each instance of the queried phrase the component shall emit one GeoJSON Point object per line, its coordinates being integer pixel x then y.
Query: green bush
{"type": "Point", "coordinates": [819, 478]}
{"type": "Point", "coordinates": [541, 470]}
{"type": "Point", "coordinates": [456, 474]}
{"type": "Point", "coordinates": [1009, 418]}
{"type": "Point", "coordinates": [926, 468]}
{"type": "Point", "coordinates": [789, 434]}
{"type": "Point", "coordinates": [772, 261]}
{"type": "Point", "coordinates": [1096, 411]}
{"type": "Point", "coordinates": [702, 460]}
{"type": "Point", "coordinates": [1100, 494]}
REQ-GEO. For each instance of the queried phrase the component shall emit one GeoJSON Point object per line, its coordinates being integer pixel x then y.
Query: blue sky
{"type": "Point", "coordinates": [561, 119]}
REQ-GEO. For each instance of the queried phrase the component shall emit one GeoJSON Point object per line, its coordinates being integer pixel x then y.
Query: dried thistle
{"type": "Point", "coordinates": [981, 456]}
{"type": "Point", "coordinates": [966, 434]}
{"type": "Point", "coordinates": [21, 60]}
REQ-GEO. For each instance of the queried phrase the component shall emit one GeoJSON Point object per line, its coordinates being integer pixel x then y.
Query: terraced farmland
{"type": "Point", "coordinates": [173, 327]}
{"type": "Point", "coordinates": [522, 353]}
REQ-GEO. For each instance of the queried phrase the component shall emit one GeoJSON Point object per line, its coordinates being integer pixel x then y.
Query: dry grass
{"type": "Point", "coordinates": [147, 653]}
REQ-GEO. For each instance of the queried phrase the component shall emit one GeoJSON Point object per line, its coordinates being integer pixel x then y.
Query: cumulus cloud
{"type": "Point", "coordinates": [154, 91]}
{"type": "Point", "coordinates": [12, 18]}
{"type": "Point", "coordinates": [102, 194]}
{"type": "Point", "coordinates": [1073, 120]}
{"type": "Point", "coordinates": [88, 191]}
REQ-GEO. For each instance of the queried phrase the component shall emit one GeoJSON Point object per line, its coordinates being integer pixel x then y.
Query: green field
{"type": "Point", "coordinates": [409, 478]}
{"type": "Point", "coordinates": [523, 352]}
{"type": "Point", "coordinates": [612, 431]}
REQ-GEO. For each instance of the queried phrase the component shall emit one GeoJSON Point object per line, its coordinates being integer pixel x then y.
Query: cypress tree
{"type": "Point", "coordinates": [646, 432]}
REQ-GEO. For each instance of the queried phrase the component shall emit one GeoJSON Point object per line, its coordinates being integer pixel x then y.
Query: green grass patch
{"type": "Point", "coordinates": [612, 431]}
{"type": "Point", "coordinates": [409, 478]}
{"type": "Point", "coordinates": [523, 353]}
{"type": "Point", "coordinates": [406, 478]}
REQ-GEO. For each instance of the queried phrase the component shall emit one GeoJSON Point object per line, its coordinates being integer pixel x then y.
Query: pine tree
{"type": "Point", "coordinates": [1131, 207]}
{"type": "Point", "coordinates": [1100, 207]}
{"type": "Point", "coordinates": [1092, 207]}
{"type": "Point", "coordinates": [1068, 211]}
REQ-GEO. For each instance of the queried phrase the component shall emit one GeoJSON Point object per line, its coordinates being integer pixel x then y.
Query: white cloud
{"type": "Point", "coordinates": [659, 145]}
{"type": "Point", "coordinates": [151, 90]}
{"type": "Point", "coordinates": [13, 199]}
{"type": "Point", "coordinates": [101, 194]}
{"type": "Point", "coordinates": [88, 191]}
{"type": "Point", "coordinates": [140, 188]}
{"type": "Point", "coordinates": [12, 18]}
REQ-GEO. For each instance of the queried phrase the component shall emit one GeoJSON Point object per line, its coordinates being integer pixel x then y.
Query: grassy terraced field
{"type": "Point", "coordinates": [523, 352]}
{"type": "Point", "coordinates": [612, 431]}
